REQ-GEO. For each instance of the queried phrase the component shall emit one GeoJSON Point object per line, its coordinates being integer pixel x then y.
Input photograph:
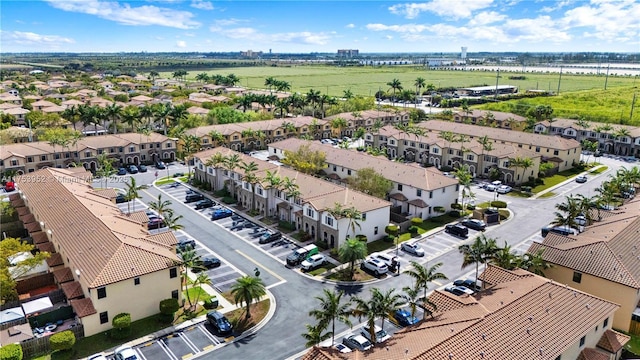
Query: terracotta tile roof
{"type": "Point", "coordinates": [530, 311]}
{"type": "Point", "coordinates": [263, 125]}
{"type": "Point", "coordinates": [22, 210]}
{"type": "Point", "coordinates": [101, 242]}
{"type": "Point", "coordinates": [593, 354]}
{"type": "Point", "coordinates": [139, 217]}
{"type": "Point", "coordinates": [17, 203]}
{"type": "Point", "coordinates": [63, 275]}
{"type": "Point", "coordinates": [72, 290]}
{"type": "Point", "coordinates": [398, 196]}
{"type": "Point", "coordinates": [39, 237]}
{"type": "Point", "coordinates": [607, 249]}
{"type": "Point", "coordinates": [55, 260]}
{"type": "Point", "coordinates": [320, 193]}
{"type": "Point", "coordinates": [107, 193]}
{"type": "Point", "coordinates": [15, 196]}
{"type": "Point", "coordinates": [418, 203]}
{"type": "Point", "coordinates": [613, 341]}
{"type": "Point", "coordinates": [46, 247]}
{"type": "Point", "coordinates": [83, 307]}
{"type": "Point", "coordinates": [418, 177]}
{"type": "Point", "coordinates": [27, 218]}
{"type": "Point", "coordinates": [498, 115]}
{"type": "Point", "coordinates": [518, 137]}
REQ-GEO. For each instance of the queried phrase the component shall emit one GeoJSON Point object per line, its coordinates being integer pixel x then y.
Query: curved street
{"type": "Point", "coordinates": [295, 293]}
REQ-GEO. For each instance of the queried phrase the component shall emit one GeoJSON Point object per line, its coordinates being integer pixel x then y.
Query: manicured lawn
{"type": "Point", "coordinates": [197, 292]}
{"type": "Point", "coordinates": [556, 179]}
{"type": "Point", "coordinates": [321, 270]}
{"type": "Point", "coordinates": [378, 245]}
{"type": "Point", "coordinates": [100, 342]}
{"type": "Point", "coordinates": [634, 344]}
{"type": "Point", "coordinates": [599, 170]}
{"type": "Point", "coordinates": [164, 181]}
{"type": "Point", "coordinates": [547, 195]}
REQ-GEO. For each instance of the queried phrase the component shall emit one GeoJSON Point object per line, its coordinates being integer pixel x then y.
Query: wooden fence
{"type": "Point", "coordinates": [40, 346]}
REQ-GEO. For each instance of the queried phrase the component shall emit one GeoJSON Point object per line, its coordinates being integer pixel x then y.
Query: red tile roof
{"type": "Point", "coordinates": [613, 341]}
{"type": "Point", "coordinates": [72, 290]}
{"type": "Point", "coordinates": [83, 307]}
{"type": "Point", "coordinates": [63, 275]}
{"type": "Point", "coordinates": [593, 354]}
{"type": "Point", "coordinates": [55, 260]}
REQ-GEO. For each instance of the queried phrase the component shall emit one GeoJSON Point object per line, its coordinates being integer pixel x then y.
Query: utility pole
{"type": "Point", "coordinates": [559, 81]}
{"type": "Point", "coordinates": [606, 79]}
{"type": "Point", "coordinates": [633, 104]}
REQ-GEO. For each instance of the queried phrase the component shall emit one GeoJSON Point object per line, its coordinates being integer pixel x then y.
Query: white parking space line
{"type": "Point", "coordinates": [444, 240]}
{"type": "Point", "coordinates": [218, 284]}
{"type": "Point", "coordinates": [139, 353]}
{"type": "Point", "coordinates": [208, 334]}
{"type": "Point", "coordinates": [167, 350]}
{"type": "Point", "coordinates": [189, 342]}
{"type": "Point", "coordinates": [217, 275]}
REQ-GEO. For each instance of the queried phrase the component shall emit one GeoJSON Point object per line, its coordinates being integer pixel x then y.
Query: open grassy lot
{"type": "Point", "coordinates": [611, 105]}
{"type": "Point", "coordinates": [367, 80]}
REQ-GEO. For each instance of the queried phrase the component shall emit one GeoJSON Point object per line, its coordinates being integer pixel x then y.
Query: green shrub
{"type": "Point", "coordinates": [211, 304]}
{"type": "Point", "coordinates": [456, 206]}
{"type": "Point", "coordinates": [391, 230]}
{"type": "Point", "coordinates": [388, 238]}
{"type": "Point", "coordinates": [439, 209]}
{"type": "Point", "coordinates": [228, 200]}
{"type": "Point", "coordinates": [446, 168]}
{"type": "Point", "coordinates": [361, 237]}
{"type": "Point", "coordinates": [121, 326]}
{"type": "Point", "coordinates": [11, 352]}
{"type": "Point", "coordinates": [526, 189]}
{"type": "Point", "coordinates": [62, 341]}
{"type": "Point", "coordinates": [454, 213]}
{"type": "Point", "coordinates": [413, 230]}
{"type": "Point", "coordinates": [499, 204]}
{"type": "Point", "coordinates": [471, 207]}
{"type": "Point", "coordinates": [168, 308]}
{"type": "Point", "coordinates": [416, 221]}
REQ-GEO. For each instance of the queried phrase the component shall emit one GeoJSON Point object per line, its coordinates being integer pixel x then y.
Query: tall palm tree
{"type": "Point", "coordinates": [332, 308]}
{"type": "Point", "coordinates": [487, 145]}
{"type": "Point", "coordinates": [131, 116]}
{"type": "Point", "coordinates": [171, 221]}
{"type": "Point", "coordinates": [201, 279]}
{"type": "Point", "coordinates": [216, 137]}
{"type": "Point", "coordinates": [315, 335]}
{"type": "Point", "coordinates": [535, 263]}
{"type": "Point", "coordinates": [132, 192]}
{"type": "Point", "coordinates": [160, 206]}
{"type": "Point", "coordinates": [248, 289]}
{"type": "Point", "coordinates": [231, 162]}
{"type": "Point", "coordinates": [479, 252]}
{"type": "Point", "coordinates": [419, 84]}
{"type": "Point", "coordinates": [251, 178]}
{"type": "Point", "coordinates": [190, 260]}
{"type": "Point", "coordinates": [313, 98]}
{"type": "Point", "coordinates": [339, 124]}
{"type": "Point", "coordinates": [412, 297]}
{"type": "Point", "coordinates": [449, 137]}
{"type": "Point", "coordinates": [113, 112]}
{"type": "Point", "coordinates": [190, 145]}
{"type": "Point", "coordinates": [367, 309]}
{"type": "Point", "coordinates": [464, 179]}
{"type": "Point", "coordinates": [282, 86]}
{"type": "Point", "coordinates": [386, 303]}
{"type": "Point", "coordinates": [292, 190]}
{"type": "Point", "coordinates": [505, 258]}
{"type": "Point", "coordinates": [422, 277]}
{"type": "Point", "coordinates": [351, 251]}
{"type": "Point", "coordinates": [270, 181]}
{"type": "Point", "coordinates": [245, 101]}
{"type": "Point", "coordinates": [395, 85]}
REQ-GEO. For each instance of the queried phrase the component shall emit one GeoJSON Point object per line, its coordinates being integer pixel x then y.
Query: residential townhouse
{"type": "Point", "coordinates": [519, 316]}
{"type": "Point", "coordinates": [18, 113]}
{"type": "Point", "coordinates": [106, 262]}
{"type": "Point", "coordinates": [603, 260]}
{"type": "Point", "coordinates": [258, 134]}
{"type": "Point", "coordinates": [369, 119]}
{"type": "Point", "coordinates": [125, 148]}
{"type": "Point", "coordinates": [430, 150]}
{"type": "Point", "coordinates": [497, 119]}
{"type": "Point", "coordinates": [310, 211]}
{"type": "Point", "coordinates": [616, 139]}
{"type": "Point", "coordinates": [563, 153]}
{"type": "Point", "coordinates": [416, 190]}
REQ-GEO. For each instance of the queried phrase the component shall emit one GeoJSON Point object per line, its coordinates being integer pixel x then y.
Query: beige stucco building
{"type": "Point", "coordinates": [106, 262]}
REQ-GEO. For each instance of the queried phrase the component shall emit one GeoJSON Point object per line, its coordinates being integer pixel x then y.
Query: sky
{"type": "Point", "coordinates": [305, 26]}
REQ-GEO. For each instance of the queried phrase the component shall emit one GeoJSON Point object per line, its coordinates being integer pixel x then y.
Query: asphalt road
{"type": "Point", "coordinates": [295, 294]}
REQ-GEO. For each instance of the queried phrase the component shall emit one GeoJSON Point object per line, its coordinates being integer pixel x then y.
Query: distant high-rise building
{"type": "Point", "coordinates": [251, 54]}
{"type": "Point", "coordinates": [463, 55]}
{"type": "Point", "coordinates": [348, 53]}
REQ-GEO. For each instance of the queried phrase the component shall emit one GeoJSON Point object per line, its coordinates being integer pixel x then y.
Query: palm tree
{"type": "Point", "coordinates": [190, 260]}
{"type": "Point", "coordinates": [190, 145]}
{"type": "Point", "coordinates": [419, 84]}
{"type": "Point", "coordinates": [113, 112]}
{"type": "Point", "coordinates": [351, 251]}
{"type": "Point", "coordinates": [153, 75]}
{"type": "Point", "coordinates": [447, 136]}
{"type": "Point", "coordinates": [412, 297]}
{"type": "Point", "coordinates": [347, 94]}
{"type": "Point", "coordinates": [315, 335]}
{"type": "Point", "coordinates": [160, 206]}
{"type": "Point", "coordinates": [271, 181]}
{"type": "Point", "coordinates": [282, 86]}
{"type": "Point", "coordinates": [331, 309]}
{"type": "Point", "coordinates": [505, 258]}
{"type": "Point", "coordinates": [619, 134]}
{"type": "Point", "coordinates": [293, 191]}
{"type": "Point", "coordinates": [269, 82]}
{"type": "Point", "coordinates": [248, 289]}
{"type": "Point", "coordinates": [245, 101]}
{"type": "Point", "coordinates": [312, 98]}
{"type": "Point", "coordinates": [201, 279]}
{"type": "Point", "coordinates": [535, 263]}
{"type": "Point", "coordinates": [479, 252]}
{"type": "Point", "coordinates": [590, 146]}
{"type": "Point", "coordinates": [282, 105]}
{"type": "Point", "coordinates": [395, 85]}
{"type": "Point", "coordinates": [423, 276]}
{"type": "Point", "coordinates": [216, 137]}
{"type": "Point", "coordinates": [171, 221]}
{"type": "Point", "coordinates": [251, 178]}
{"type": "Point", "coordinates": [231, 162]}
{"type": "Point", "coordinates": [464, 179]}
{"type": "Point", "coordinates": [387, 303]}
{"type": "Point", "coordinates": [339, 124]}
{"type": "Point", "coordinates": [130, 116]}
{"type": "Point", "coordinates": [132, 192]}
{"type": "Point", "coordinates": [367, 309]}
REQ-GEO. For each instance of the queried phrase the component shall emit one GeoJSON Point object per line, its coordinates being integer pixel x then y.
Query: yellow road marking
{"type": "Point", "coordinates": [187, 356]}
{"type": "Point", "coordinates": [208, 347]}
{"type": "Point", "coordinates": [261, 266]}
{"type": "Point", "coordinates": [230, 338]}
{"type": "Point", "coordinates": [437, 283]}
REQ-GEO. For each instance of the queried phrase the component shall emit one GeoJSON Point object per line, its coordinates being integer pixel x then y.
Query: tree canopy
{"type": "Point", "coordinates": [368, 181]}
{"type": "Point", "coordinates": [305, 160]}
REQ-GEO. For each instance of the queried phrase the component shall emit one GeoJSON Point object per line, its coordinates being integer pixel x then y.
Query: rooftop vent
{"type": "Point", "coordinates": [484, 337]}
{"type": "Point", "coordinates": [588, 306]}
{"type": "Point", "coordinates": [530, 318]}
{"type": "Point", "coordinates": [528, 331]}
{"type": "Point", "coordinates": [541, 351]}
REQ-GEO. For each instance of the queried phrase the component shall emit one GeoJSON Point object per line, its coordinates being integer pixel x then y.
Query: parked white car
{"type": "Point", "coordinates": [377, 266]}
{"type": "Point", "coordinates": [503, 189]}
{"type": "Point", "coordinates": [125, 352]}
{"type": "Point", "coordinates": [313, 262]}
{"type": "Point", "coordinates": [384, 257]}
{"type": "Point", "coordinates": [381, 335]}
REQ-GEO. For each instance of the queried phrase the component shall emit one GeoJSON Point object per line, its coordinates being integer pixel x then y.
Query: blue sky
{"type": "Point", "coordinates": [319, 26]}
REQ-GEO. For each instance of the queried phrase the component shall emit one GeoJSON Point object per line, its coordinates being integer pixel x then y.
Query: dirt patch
{"type": "Point", "coordinates": [238, 317]}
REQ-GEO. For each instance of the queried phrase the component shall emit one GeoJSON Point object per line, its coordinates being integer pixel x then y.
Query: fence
{"type": "Point", "coordinates": [35, 282]}
{"type": "Point", "coordinates": [63, 313]}
{"type": "Point", "coordinates": [40, 346]}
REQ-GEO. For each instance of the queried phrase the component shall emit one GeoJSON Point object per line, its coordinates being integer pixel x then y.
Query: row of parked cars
{"type": "Point", "coordinates": [497, 186]}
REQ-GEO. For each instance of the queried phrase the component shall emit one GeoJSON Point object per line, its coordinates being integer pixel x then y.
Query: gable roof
{"type": "Point", "coordinates": [529, 311]}
{"type": "Point", "coordinates": [103, 244]}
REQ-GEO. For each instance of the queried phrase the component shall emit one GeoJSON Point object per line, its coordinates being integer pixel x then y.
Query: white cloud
{"type": "Point", "coordinates": [443, 8]}
{"type": "Point", "coordinates": [389, 37]}
{"type": "Point", "coordinates": [30, 38]}
{"type": "Point", "coordinates": [350, 26]}
{"type": "Point", "coordinates": [127, 15]}
{"type": "Point", "coordinates": [486, 17]}
{"type": "Point", "coordinates": [406, 28]}
{"type": "Point", "coordinates": [608, 20]}
{"type": "Point", "coordinates": [202, 4]}
{"type": "Point", "coordinates": [181, 44]}
{"type": "Point", "coordinates": [556, 6]}
{"type": "Point", "coordinates": [248, 33]}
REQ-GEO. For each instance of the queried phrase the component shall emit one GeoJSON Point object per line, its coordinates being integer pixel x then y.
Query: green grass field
{"type": "Point", "coordinates": [367, 80]}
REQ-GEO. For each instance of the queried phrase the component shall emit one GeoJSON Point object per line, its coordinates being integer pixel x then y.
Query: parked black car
{"type": "Point", "coordinates": [219, 322]}
{"type": "Point", "coordinates": [269, 237]}
{"type": "Point", "coordinates": [142, 168]}
{"type": "Point", "coordinates": [204, 203]}
{"type": "Point", "coordinates": [160, 165]}
{"type": "Point", "coordinates": [185, 245]}
{"type": "Point", "coordinates": [207, 262]}
{"type": "Point", "coordinates": [194, 196]}
{"type": "Point", "coordinates": [120, 198]}
{"type": "Point", "coordinates": [475, 224]}
{"type": "Point", "coordinates": [457, 230]}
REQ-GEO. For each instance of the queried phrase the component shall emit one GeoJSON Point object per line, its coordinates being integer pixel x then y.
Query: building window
{"type": "Point", "coordinates": [121, 149]}
{"type": "Point", "coordinates": [348, 172]}
{"type": "Point", "coordinates": [174, 294]}
{"type": "Point", "coordinates": [605, 323]}
{"type": "Point", "coordinates": [364, 216]}
{"type": "Point", "coordinates": [334, 168]}
{"type": "Point", "coordinates": [430, 194]}
{"type": "Point", "coordinates": [375, 230]}
{"type": "Point", "coordinates": [399, 187]}
{"type": "Point", "coordinates": [136, 281]}
{"type": "Point", "coordinates": [537, 148]}
{"type": "Point", "coordinates": [582, 340]}
{"type": "Point", "coordinates": [43, 157]}
{"type": "Point", "coordinates": [577, 277]}
{"type": "Point", "coordinates": [310, 212]}
{"type": "Point", "coordinates": [173, 272]}
{"type": "Point", "coordinates": [329, 221]}
{"type": "Point", "coordinates": [132, 149]}
{"type": "Point", "coordinates": [435, 150]}
{"type": "Point", "coordinates": [102, 292]}
{"type": "Point", "coordinates": [418, 192]}
{"type": "Point", "coordinates": [29, 159]}
{"type": "Point", "coordinates": [555, 152]}
{"type": "Point", "coordinates": [104, 317]}
{"type": "Point", "coordinates": [470, 157]}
